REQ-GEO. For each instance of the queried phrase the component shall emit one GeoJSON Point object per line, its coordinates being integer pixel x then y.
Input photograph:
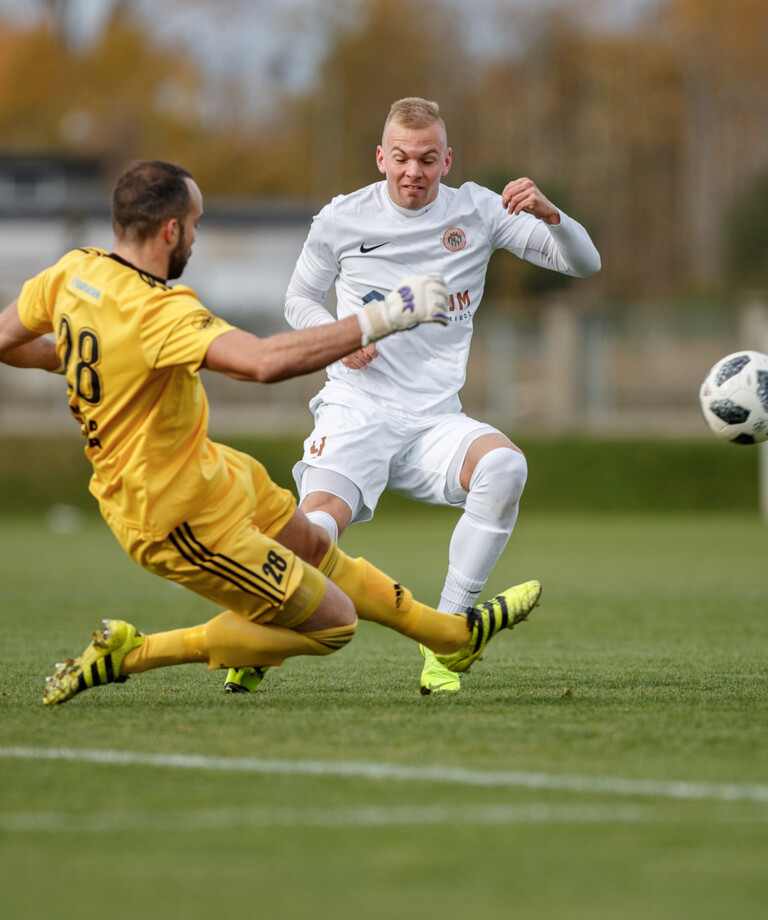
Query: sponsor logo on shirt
{"type": "Point", "coordinates": [84, 288]}
{"type": "Point", "coordinates": [460, 307]}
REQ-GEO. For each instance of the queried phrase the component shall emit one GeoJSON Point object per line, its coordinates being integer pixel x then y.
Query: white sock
{"type": "Point", "coordinates": [477, 551]}
{"type": "Point", "coordinates": [326, 521]}
{"type": "Point", "coordinates": [484, 528]}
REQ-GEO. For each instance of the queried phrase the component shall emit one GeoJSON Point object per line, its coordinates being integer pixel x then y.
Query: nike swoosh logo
{"type": "Point", "coordinates": [439, 686]}
{"type": "Point", "coordinates": [364, 248]}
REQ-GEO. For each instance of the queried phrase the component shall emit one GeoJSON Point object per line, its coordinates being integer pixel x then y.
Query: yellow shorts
{"type": "Point", "coordinates": [228, 554]}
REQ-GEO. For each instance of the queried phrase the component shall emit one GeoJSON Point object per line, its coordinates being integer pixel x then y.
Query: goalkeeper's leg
{"type": "Point", "coordinates": [327, 622]}
{"type": "Point", "coordinates": [375, 595]}
{"type": "Point", "coordinates": [233, 641]}
{"type": "Point", "coordinates": [467, 633]}
{"type": "Point", "coordinates": [379, 598]}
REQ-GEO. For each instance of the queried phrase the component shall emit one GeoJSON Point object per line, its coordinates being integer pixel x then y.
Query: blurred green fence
{"type": "Point", "coordinates": [578, 474]}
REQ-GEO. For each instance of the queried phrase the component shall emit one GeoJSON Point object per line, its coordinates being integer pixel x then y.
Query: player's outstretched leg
{"type": "Point", "coordinates": [435, 677]}
{"type": "Point", "coordinates": [98, 664]}
{"type": "Point", "coordinates": [244, 680]}
{"type": "Point", "coordinates": [485, 620]}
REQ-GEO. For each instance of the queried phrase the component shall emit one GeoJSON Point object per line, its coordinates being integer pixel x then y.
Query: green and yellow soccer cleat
{"type": "Point", "coordinates": [98, 664]}
{"type": "Point", "coordinates": [503, 612]}
{"type": "Point", "coordinates": [435, 677]}
{"type": "Point", "coordinates": [244, 680]}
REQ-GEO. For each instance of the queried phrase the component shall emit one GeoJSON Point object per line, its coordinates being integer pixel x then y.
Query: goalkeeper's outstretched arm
{"type": "Point", "coordinates": [239, 354]}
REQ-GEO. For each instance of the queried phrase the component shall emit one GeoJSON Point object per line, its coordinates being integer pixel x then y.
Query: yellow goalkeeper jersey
{"type": "Point", "coordinates": [132, 348]}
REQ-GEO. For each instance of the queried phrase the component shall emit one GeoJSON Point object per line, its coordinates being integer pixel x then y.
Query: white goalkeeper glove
{"type": "Point", "coordinates": [417, 299]}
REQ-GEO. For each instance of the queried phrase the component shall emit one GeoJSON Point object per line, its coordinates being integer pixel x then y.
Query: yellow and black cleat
{"type": "Point", "coordinates": [244, 680]}
{"type": "Point", "coordinates": [488, 619]}
{"type": "Point", "coordinates": [98, 664]}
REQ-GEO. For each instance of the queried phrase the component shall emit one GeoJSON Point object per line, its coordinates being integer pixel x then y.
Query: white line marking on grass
{"type": "Point", "coordinates": [341, 817]}
{"type": "Point", "coordinates": [461, 776]}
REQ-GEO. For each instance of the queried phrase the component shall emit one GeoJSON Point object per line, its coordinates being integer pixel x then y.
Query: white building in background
{"type": "Point", "coordinates": [243, 257]}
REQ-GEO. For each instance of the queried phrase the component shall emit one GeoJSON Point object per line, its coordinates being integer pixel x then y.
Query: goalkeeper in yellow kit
{"type": "Point", "coordinates": [186, 508]}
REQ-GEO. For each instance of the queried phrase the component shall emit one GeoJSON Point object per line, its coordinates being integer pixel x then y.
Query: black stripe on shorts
{"type": "Point", "coordinates": [222, 566]}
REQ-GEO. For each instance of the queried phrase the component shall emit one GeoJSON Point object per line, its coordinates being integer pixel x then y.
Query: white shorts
{"type": "Point", "coordinates": [378, 448]}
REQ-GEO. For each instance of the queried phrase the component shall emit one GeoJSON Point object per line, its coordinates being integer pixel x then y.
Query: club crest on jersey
{"type": "Point", "coordinates": [454, 239]}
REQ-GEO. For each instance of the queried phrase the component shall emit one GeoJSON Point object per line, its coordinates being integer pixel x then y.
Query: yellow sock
{"type": "Point", "coordinates": [159, 650]}
{"type": "Point", "coordinates": [379, 598]}
{"type": "Point", "coordinates": [231, 641]}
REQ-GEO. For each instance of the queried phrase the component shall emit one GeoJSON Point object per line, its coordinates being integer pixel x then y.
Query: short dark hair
{"type": "Point", "coordinates": [147, 194]}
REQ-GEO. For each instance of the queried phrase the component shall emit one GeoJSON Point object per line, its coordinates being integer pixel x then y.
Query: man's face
{"type": "Point", "coordinates": [414, 160]}
{"type": "Point", "coordinates": [180, 254]}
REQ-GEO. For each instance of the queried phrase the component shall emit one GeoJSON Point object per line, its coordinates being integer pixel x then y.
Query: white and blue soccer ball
{"type": "Point", "coordinates": [734, 398]}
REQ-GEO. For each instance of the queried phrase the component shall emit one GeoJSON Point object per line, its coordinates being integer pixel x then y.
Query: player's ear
{"type": "Point", "coordinates": [170, 231]}
{"type": "Point", "coordinates": [380, 159]}
{"type": "Point", "coordinates": [448, 161]}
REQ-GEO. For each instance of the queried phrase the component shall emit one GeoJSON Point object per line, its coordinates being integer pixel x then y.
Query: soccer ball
{"type": "Point", "coordinates": [734, 398]}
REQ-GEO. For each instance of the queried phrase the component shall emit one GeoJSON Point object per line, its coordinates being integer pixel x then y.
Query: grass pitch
{"type": "Point", "coordinates": [608, 759]}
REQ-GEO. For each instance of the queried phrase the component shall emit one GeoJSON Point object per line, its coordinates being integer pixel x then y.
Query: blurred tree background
{"type": "Point", "coordinates": [655, 136]}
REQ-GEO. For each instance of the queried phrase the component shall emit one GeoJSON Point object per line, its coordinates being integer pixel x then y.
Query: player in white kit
{"type": "Point", "coordinates": [389, 416]}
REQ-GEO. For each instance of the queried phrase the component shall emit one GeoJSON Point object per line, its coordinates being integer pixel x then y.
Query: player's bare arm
{"type": "Point", "coordinates": [21, 348]}
{"type": "Point", "coordinates": [524, 195]}
{"type": "Point", "coordinates": [239, 354]}
{"type": "Point", "coordinates": [244, 356]}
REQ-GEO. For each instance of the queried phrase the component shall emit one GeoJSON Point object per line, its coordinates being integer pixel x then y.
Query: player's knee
{"type": "Point", "coordinates": [502, 471]}
{"type": "Point", "coordinates": [346, 615]}
{"type": "Point", "coordinates": [334, 638]}
{"type": "Point", "coordinates": [496, 486]}
{"type": "Point", "coordinates": [335, 610]}
{"type": "Point", "coordinates": [329, 498]}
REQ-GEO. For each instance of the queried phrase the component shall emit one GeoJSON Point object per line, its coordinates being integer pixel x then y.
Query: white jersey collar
{"type": "Point", "coordinates": [406, 212]}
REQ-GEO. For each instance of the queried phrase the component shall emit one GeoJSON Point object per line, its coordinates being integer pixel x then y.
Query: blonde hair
{"type": "Point", "coordinates": [414, 112]}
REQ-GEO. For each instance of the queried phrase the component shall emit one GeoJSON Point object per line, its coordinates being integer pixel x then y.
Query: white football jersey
{"type": "Point", "coordinates": [366, 244]}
